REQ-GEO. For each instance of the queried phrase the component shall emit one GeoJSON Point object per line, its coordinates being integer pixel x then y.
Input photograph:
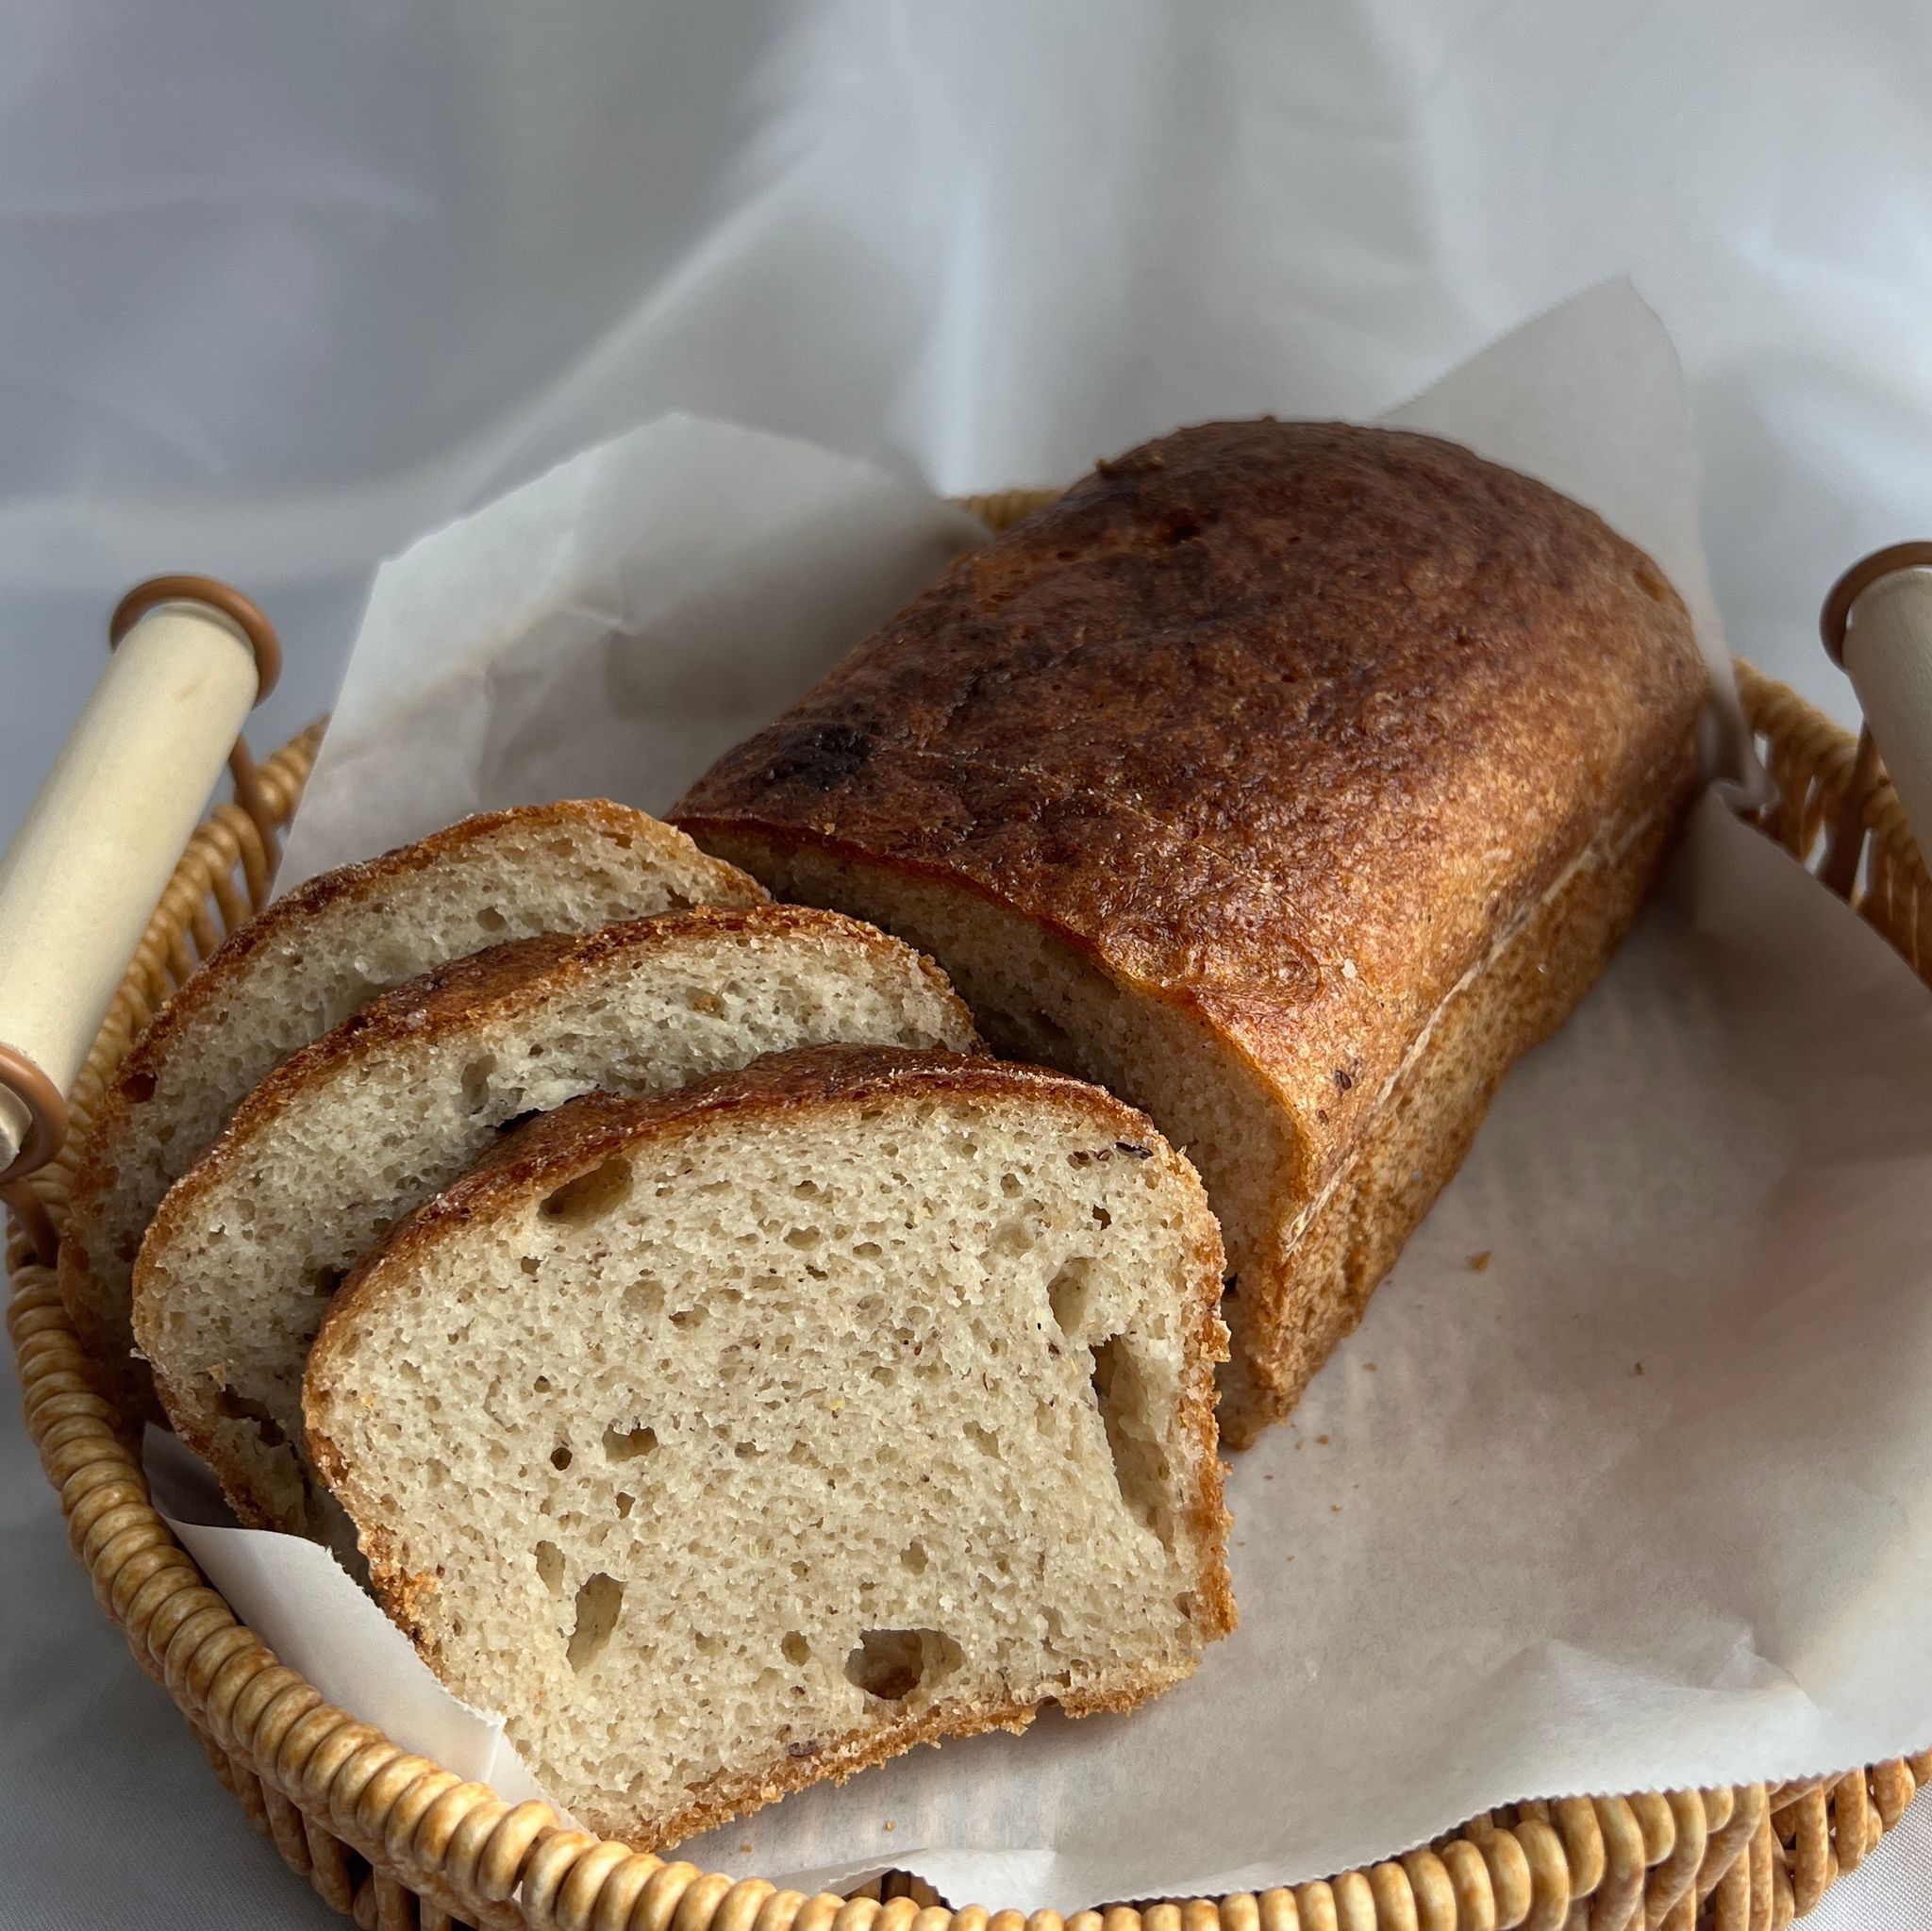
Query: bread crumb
{"type": "Point", "coordinates": [889, 1824]}
{"type": "Point", "coordinates": [1321, 1441]}
{"type": "Point", "coordinates": [745, 1849]}
{"type": "Point", "coordinates": [1368, 1366]}
{"type": "Point", "coordinates": [1478, 1263]}
{"type": "Point", "coordinates": [1639, 1368]}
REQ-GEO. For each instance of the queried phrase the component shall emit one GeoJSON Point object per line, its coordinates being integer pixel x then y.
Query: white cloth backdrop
{"type": "Point", "coordinates": [282, 287]}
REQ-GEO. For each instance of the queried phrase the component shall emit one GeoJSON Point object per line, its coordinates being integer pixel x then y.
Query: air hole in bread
{"type": "Point", "coordinates": [891, 1664]}
{"type": "Point", "coordinates": [475, 1081]}
{"type": "Point", "coordinates": [1069, 1293]}
{"type": "Point", "coordinates": [797, 1650]}
{"type": "Point", "coordinates": [622, 1444]}
{"type": "Point", "coordinates": [561, 1456]}
{"type": "Point", "coordinates": [1012, 1236]}
{"type": "Point", "coordinates": [325, 1280]}
{"type": "Point", "coordinates": [913, 1559]}
{"type": "Point", "coordinates": [624, 1505]}
{"type": "Point", "coordinates": [589, 1197]}
{"type": "Point", "coordinates": [550, 1567]}
{"type": "Point", "coordinates": [490, 919]}
{"type": "Point", "coordinates": [241, 1407]}
{"type": "Point", "coordinates": [599, 1602]}
{"type": "Point", "coordinates": [983, 1438]}
{"type": "Point", "coordinates": [1140, 1466]}
{"type": "Point", "coordinates": [139, 1087]}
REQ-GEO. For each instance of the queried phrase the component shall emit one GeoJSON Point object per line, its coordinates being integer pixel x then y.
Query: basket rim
{"type": "Point", "coordinates": [320, 1781]}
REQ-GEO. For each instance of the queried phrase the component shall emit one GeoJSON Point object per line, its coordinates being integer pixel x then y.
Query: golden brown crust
{"type": "Point", "coordinates": [1196, 716]}
{"type": "Point", "coordinates": [116, 1120]}
{"type": "Point", "coordinates": [1413, 1145]}
{"type": "Point", "coordinates": [1278, 723]}
{"type": "Point", "coordinates": [555, 1148]}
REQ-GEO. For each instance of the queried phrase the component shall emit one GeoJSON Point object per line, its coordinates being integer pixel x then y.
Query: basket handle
{"type": "Point", "coordinates": [1877, 626]}
{"type": "Point", "coordinates": [85, 871]}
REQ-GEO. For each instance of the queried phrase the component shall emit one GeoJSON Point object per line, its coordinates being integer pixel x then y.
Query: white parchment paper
{"type": "Point", "coordinates": [1624, 1482]}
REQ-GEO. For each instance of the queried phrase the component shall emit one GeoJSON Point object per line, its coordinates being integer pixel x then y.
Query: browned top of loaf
{"type": "Point", "coordinates": [553, 1149]}
{"type": "Point", "coordinates": [1283, 722]}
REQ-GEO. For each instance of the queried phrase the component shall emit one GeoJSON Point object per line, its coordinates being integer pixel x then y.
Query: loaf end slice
{"type": "Point", "coordinates": [353, 1132]}
{"type": "Point", "coordinates": [746, 1436]}
{"type": "Point", "coordinates": [309, 961]}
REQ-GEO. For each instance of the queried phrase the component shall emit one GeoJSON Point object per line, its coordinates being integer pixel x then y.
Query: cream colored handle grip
{"type": "Point", "coordinates": [1888, 653]}
{"type": "Point", "coordinates": [1880, 621]}
{"type": "Point", "coordinates": [89, 864]}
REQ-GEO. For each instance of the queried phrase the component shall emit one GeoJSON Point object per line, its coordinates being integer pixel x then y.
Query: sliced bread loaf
{"type": "Point", "coordinates": [749, 1436]}
{"type": "Point", "coordinates": [345, 1137]}
{"type": "Point", "coordinates": [307, 962]}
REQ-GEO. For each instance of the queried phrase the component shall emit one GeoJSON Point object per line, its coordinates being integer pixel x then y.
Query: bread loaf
{"type": "Point", "coordinates": [309, 961]}
{"type": "Point", "coordinates": [350, 1134]}
{"type": "Point", "coordinates": [745, 1437]}
{"type": "Point", "coordinates": [1289, 778]}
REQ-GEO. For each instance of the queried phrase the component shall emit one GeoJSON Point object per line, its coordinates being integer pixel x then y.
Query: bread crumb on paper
{"type": "Point", "coordinates": [1478, 1263]}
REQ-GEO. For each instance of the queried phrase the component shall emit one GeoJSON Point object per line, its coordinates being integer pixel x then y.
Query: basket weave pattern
{"type": "Point", "coordinates": [405, 1845]}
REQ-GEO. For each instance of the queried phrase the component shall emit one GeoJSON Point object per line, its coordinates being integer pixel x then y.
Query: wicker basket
{"type": "Point", "coordinates": [400, 1844]}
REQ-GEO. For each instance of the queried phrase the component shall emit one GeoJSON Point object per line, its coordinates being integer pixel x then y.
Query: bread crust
{"type": "Point", "coordinates": [553, 1149]}
{"type": "Point", "coordinates": [99, 1315]}
{"type": "Point", "coordinates": [1277, 724]}
{"type": "Point", "coordinates": [1413, 1145]}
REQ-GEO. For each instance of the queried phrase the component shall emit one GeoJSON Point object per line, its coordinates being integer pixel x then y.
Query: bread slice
{"type": "Point", "coordinates": [307, 962]}
{"type": "Point", "coordinates": [345, 1137]}
{"type": "Point", "coordinates": [748, 1437]}
{"type": "Point", "coordinates": [1240, 779]}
